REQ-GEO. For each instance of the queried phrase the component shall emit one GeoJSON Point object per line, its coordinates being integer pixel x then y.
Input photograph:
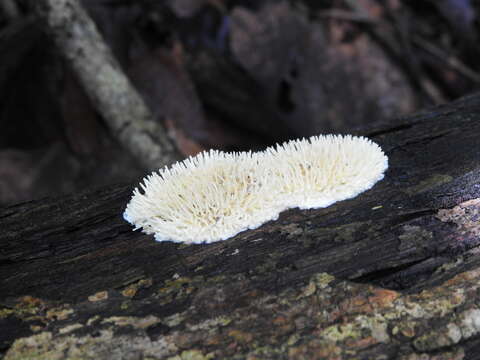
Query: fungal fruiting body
{"type": "Point", "coordinates": [319, 171]}
{"type": "Point", "coordinates": [215, 195]}
{"type": "Point", "coordinates": [209, 197]}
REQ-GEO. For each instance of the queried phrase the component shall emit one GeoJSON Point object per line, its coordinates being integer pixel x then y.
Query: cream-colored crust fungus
{"type": "Point", "coordinates": [212, 196]}
{"type": "Point", "coordinates": [319, 171]}
{"type": "Point", "coordinates": [215, 195]}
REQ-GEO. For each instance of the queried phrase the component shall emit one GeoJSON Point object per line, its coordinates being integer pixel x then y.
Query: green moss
{"type": "Point", "coordinates": [309, 290]}
{"type": "Point", "coordinates": [211, 324]}
{"type": "Point", "coordinates": [25, 307]}
{"type": "Point", "coordinates": [216, 279]}
{"type": "Point", "coordinates": [131, 290]}
{"type": "Point", "coordinates": [405, 328]}
{"type": "Point", "coordinates": [31, 348]}
{"type": "Point", "coordinates": [174, 320]}
{"type": "Point", "coordinates": [59, 313]}
{"type": "Point", "coordinates": [291, 230]}
{"type": "Point", "coordinates": [192, 355]}
{"type": "Point", "coordinates": [136, 322]}
{"type": "Point", "coordinates": [103, 345]}
{"type": "Point", "coordinates": [346, 233]}
{"type": "Point", "coordinates": [70, 328]}
{"type": "Point", "coordinates": [376, 326]}
{"type": "Point", "coordinates": [432, 341]}
{"type": "Point", "coordinates": [429, 183]}
{"type": "Point", "coordinates": [5, 312]}
{"type": "Point", "coordinates": [125, 305]}
{"type": "Point", "coordinates": [293, 339]}
{"type": "Point", "coordinates": [174, 285]}
{"type": "Point", "coordinates": [179, 288]}
{"type": "Point", "coordinates": [322, 280]}
{"type": "Point", "coordinates": [181, 283]}
{"type": "Point", "coordinates": [337, 333]}
{"type": "Point", "coordinates": [269, 352]}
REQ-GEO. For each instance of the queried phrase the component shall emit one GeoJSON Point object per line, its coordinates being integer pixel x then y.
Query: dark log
{"type": "Point", "coordinates": [392, 273]}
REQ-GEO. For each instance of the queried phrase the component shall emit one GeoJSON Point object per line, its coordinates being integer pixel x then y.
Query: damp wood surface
{"type": "Point", "coordinates": [394, 272]}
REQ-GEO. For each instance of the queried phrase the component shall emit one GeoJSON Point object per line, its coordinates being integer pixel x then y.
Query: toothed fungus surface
{"type": "Point", "coordinates": [215, 195]}
{"type": "Point", "coordinates": [319, 171]}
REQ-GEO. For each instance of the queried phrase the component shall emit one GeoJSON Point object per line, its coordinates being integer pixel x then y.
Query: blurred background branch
{"type": "Point", "coordinates": [9, 9]}
{"type": "Point", "coordinates": [100, 75]}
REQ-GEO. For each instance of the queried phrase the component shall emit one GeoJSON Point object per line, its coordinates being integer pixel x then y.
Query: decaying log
{"type": "Point", "coordinates": [392, 273]}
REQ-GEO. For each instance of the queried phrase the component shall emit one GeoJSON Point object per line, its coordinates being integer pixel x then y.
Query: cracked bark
{"type": "Point", "coordinates": [393, 272]}
{"type": "Point", "coordinates": [122, 108]}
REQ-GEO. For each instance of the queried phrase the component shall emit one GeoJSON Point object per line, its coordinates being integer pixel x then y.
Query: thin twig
{"type": "Point", "coordinates": [425, 83]}
{"type": "Point", "coordinates": [346, 15]}
{"type": "Point", "coordinates": [451, 61]}
{"type": "Point", "coordinates": [114, 97]}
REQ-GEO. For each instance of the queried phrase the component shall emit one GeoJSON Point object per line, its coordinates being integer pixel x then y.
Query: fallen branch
{"type": "Point", "coordinates": [108, 88]}
{"type": "Point", "coordinates": [393, 273]}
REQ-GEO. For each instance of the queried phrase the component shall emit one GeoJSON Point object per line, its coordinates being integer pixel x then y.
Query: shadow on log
{"type": "Point", "coordinates": [393, 272]}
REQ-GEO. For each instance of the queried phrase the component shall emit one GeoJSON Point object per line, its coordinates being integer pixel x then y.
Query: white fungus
{"type": "Point", "coordinates": [319, 171]}
{"type": "Point", "coordinates": [214, 195]}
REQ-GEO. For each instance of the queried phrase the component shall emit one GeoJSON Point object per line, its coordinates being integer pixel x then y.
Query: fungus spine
{"type": "Point", "coordinates": [209, 197]}
{"type": "Point", "coordinates": [319, 171]}
{"type": "Point", "coordinates": [215, 195]}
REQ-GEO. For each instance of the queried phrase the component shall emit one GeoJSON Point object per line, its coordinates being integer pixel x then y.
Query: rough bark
{"type": "Point", "coordinates": [392, 273]}
{"type": "Point", "coordinates": [108, 88]}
